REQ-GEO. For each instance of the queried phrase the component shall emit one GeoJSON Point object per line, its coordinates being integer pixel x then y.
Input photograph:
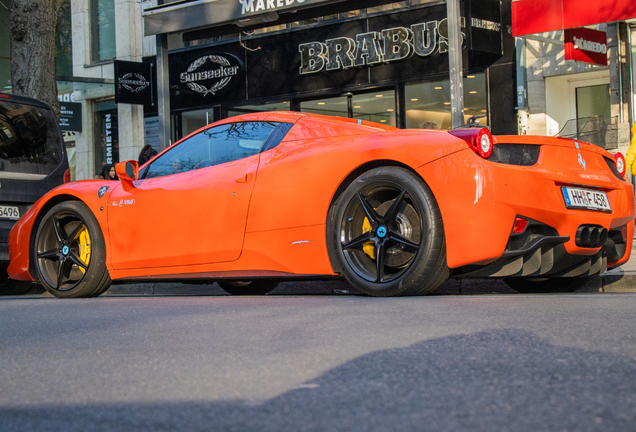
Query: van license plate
{"type": "Point", "coordinates": [9, 212]}
{"type": "Point", "coordinates": [588, 199]}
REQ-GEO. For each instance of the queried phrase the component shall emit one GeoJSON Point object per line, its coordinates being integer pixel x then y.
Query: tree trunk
{"type": "Point", "coordinates": [32, 29]}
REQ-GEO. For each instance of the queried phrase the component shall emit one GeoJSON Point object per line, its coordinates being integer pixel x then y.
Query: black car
{"type": "Point", "coordinates": [32, 162]}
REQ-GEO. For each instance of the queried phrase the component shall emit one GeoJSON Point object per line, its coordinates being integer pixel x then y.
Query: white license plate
{"type": "Point", "coordinates": [9, 212]}
{"type": "Point", "coordinates": [578, 198]}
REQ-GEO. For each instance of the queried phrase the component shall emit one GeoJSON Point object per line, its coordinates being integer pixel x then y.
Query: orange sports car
{"type": "Point", "coordinates": [261, 198]}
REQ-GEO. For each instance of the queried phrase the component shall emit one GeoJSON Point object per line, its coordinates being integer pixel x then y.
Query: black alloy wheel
{"type": "Point", "coordinates": [255, 287]}
{"type": "Point", "coordinates": [69, 252]}
{"type": "Point", "coordinates": [387, 235]}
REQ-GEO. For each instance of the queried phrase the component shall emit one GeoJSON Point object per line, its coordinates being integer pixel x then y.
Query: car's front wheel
{"type": "Point", "coordinates": [69, 252]}
{"type": "Point", "coordinates": [387, 235]}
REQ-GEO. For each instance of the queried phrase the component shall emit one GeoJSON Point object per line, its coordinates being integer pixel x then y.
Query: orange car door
{"type": "Point", "coordinates": [190, 205]}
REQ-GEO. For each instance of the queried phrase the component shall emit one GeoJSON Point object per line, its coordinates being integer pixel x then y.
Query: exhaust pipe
{"type": "Point", "coordinates": [591, 236]}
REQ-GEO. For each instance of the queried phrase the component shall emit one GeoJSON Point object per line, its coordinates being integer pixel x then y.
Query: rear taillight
{"type": "Point", "coordinates": [478, 139]}
{"type": "Point", "coordinates": [619, 160]}
{"type": "Point", "coordinates": [5, 96]}
{"type": "Point", "coordinates": [67, 175]}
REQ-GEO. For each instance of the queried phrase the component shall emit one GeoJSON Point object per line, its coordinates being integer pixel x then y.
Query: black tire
{"type": "Point", "coordinates": [56, 252]}
{"type": "Point", "coordinates": [12, 287]}
{"type": "Point", "coordinates": [255, 287]}
{"type": "Point", "coordinates": [405, 227]}
{"type": "Point", "coordinates": [545, 285]}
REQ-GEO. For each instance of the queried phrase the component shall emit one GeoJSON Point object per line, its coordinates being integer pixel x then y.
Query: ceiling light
{"type": "Point", "coordinates": [473, 92]}
{"type": "Point", "coordinates": [321, 103]}
{"type": "Point", "coordinates": [390, 110]}
{"type": "Point", "coordinates": [446, 103]}
{"type": "Point", "coordinates": [484, 110]}
{"type": "Point", "coordinates": [438, 88]}
{"type": "Point", "coordinates": [379, 95]}
{"type": "Point", "coordinates": [414, 100]}
{"type": "Point", "coordinates": [357, 106]}
{"type": "Point", "coordinates": [470, 76]}
{"type": "Point", "coordinates": [382, 121]}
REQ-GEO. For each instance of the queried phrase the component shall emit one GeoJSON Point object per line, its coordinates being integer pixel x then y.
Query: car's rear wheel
{"type": "Point", "coordinates": [69, 252]}
{"type": "Point", "coordinates": [12, 287]}
{"type": "Point", "coordinates": [255, 287]}
{"type": "Point", "coordinates": [387, 235]}
{"type": "Point", "coordinates": [545, 285]}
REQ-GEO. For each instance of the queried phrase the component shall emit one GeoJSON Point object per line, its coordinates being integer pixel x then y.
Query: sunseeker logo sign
{"type": "Point", "coordinates": [266, 5]}
{"type": "Point", "coordinates": [209, 74]}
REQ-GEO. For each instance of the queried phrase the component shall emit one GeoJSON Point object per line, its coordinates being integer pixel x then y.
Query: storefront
{"type": "Point", "coordinates": [386, 64]}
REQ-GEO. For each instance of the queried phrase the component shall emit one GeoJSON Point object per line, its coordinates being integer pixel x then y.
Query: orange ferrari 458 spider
{"type": "Point", "coordinates": [261, 198]}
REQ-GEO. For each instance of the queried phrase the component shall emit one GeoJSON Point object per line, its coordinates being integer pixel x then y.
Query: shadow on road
{"type": "Point", "coordinates": [505, 380]}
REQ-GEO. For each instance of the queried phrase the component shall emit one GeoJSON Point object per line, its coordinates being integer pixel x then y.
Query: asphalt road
{"type": "Point", "coordinates": [504, 362]}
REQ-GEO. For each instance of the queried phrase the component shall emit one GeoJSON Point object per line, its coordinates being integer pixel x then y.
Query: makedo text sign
{"type": "Point", "coordinates": [586, 45]}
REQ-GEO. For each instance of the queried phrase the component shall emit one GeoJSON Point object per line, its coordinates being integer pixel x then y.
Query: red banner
{"type": "Point", "coordinates": [586, 45]}
{"type": "Point", "coordinates": [539, 16]}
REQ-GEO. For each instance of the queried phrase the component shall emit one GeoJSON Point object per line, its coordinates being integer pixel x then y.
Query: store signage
{"type": "Point", "coordinates": [71, 117]}
{"type": "Point", "coordinates": [108, 128]}
{"type": "Point", "coordinates": [211, 74]}
{"type": "Point", "coordinates": [133, 83]}
{"type": "Point", "coordinates": [586, 45]}
{"type": "Point", "coordinates": [266, 5]}
{"type": "Point", "coordinates": [374, 48]}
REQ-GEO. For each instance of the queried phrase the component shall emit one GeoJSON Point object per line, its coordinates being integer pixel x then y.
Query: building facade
{"type": "Point", "coordinates": [386, 63]}
{"type": "Point", "coordinates": [577, 71]}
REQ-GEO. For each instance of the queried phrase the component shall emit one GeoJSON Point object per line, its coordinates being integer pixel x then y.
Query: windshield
{"type": "Point", "coordinates": [29, 139]}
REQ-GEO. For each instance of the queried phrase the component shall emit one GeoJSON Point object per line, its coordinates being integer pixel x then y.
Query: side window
{"type": "Point", "coordinates": [214, 146]}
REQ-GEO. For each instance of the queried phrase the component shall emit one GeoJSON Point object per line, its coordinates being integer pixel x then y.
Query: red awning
{"type": "Point", "coordinates": [538, 16]}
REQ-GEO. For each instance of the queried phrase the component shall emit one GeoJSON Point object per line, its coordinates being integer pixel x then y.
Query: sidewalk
{"type": "Point", "coordinates": [622, 279]}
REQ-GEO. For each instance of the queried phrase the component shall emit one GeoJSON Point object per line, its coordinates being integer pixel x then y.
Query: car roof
{"type": "Point", "coordinates": [22, 99]}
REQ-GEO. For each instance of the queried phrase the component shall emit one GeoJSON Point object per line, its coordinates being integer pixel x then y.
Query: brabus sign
{"type": "Point", "coordinates": [374, 48]}
{"type": "Point", "coordinates": [210, 74]}
{"type": "Point", "coordinates": [586, 45]}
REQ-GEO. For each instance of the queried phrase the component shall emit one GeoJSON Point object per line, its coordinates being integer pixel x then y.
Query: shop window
{"type": "Point", "coordinates": [270, 106]}
{"type": "Point", "coordinates": [387, 7]}
{"type": "Point", "coordinates": [420, 2]}
{"type": "Point", "coordinates": [592, 101]}
{"type": "Point", "coordinates": [335, 106]}
{"type": "Point", "coordinates": [378, 107]}
{"type": "Point", "coordinates": [106, 134]}
{"type": "Point", "coordinates": [269, 29]}
{"type": "Point", "coordinates": [213, 146]}
{"type": "Point", "coordinates": [192, 121]}
{"type": "Point", "coordinates": [428, 104]}
{"type": "Point", "coordinates": [103, 29]}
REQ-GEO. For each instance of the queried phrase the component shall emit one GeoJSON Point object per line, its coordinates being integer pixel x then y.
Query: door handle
{"type": "Point", "coordinates": [245, 179]}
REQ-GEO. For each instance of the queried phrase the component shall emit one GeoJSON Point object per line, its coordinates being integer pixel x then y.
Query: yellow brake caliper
{"type": "Point", "coordinates": [84, 247]}
{"type": "Point", "coordinates": [368, 247]}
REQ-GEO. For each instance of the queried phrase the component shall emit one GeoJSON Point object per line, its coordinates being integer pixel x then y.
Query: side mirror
{"type": "Point", "coordinates": [127, 172]}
